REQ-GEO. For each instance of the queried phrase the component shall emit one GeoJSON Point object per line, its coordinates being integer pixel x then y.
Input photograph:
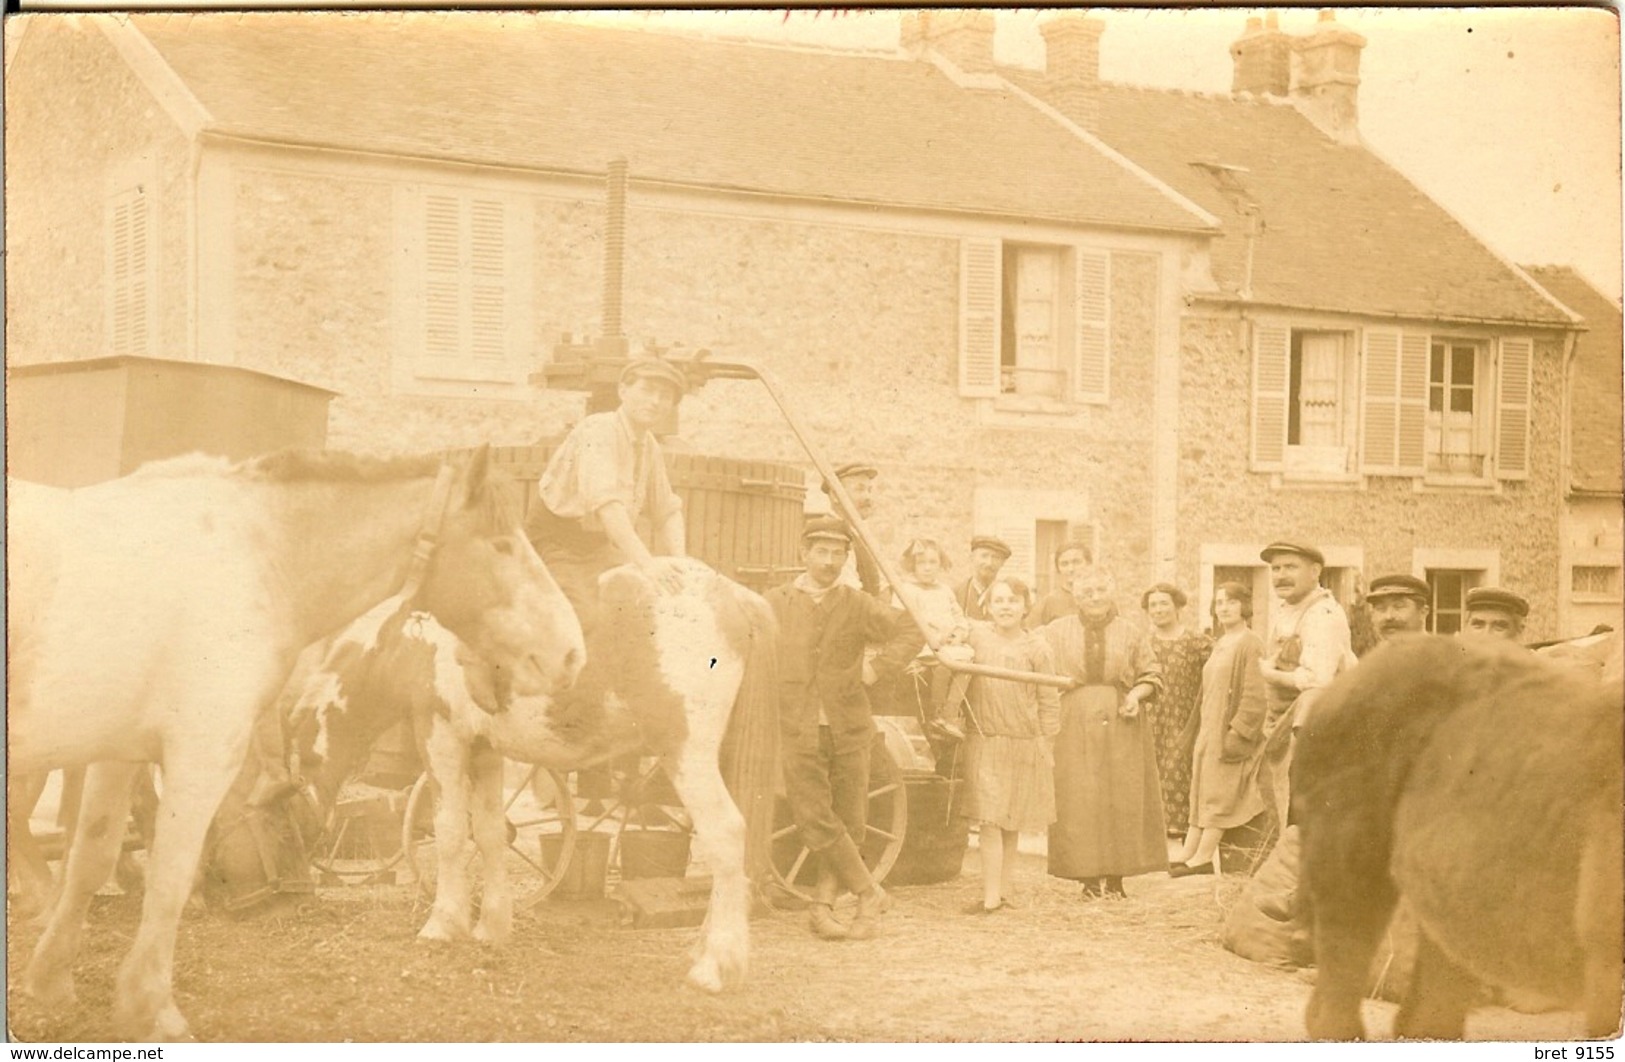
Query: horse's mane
{"type": "Point", "coordinates": [289, 466]}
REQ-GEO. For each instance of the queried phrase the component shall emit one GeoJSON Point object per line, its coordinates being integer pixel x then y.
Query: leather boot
{"type": "Point", "coordinates": [821, 913]}
{"type": "Point", "coordinates": [873, 901]}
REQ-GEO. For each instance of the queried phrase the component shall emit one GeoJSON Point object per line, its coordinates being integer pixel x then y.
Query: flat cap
{"type": "Point", "coordinates": [655, 369]}
{"type": "Point", "coordinates": [1493, 597]}
{"type": "Point", "coordinates": [856, 468]}
{"type": "Point", "coordinates": [827, 529]}
{"type": "Point", "coordinates": [1398, 586]}
{"type": "Point", "coordinates": [989, 542]}
{"type": "Point", "coordinates": [1310, 552]}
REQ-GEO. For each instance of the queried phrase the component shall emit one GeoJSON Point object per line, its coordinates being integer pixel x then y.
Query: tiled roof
{"type": "Point", "coordinates": [1341, 229]}
{"type": "Point", "coordinates": [1595, 424]}
{"type": "Point", "coordinates": [543, 94]}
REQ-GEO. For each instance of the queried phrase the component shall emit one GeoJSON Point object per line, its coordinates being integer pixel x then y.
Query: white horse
{"type": "Point", "coordinates": [154, 615]}
{"type": "Point", "coordinates": [664, 678]}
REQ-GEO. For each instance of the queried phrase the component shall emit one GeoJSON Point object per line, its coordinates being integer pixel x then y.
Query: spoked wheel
{"type": "Point", "coordinates": [541, 823]}
{"type": "Point", "coordinates": [360, 847]}
{"type": "Point", "coordinates": [793, 866]}
{"type": "Point", "coordinates": [631, 803]}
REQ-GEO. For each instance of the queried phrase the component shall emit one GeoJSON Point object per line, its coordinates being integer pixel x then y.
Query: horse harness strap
{"type": "Point", "coordinates": [429, 533]}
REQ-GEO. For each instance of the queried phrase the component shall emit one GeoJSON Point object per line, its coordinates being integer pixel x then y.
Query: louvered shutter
{"type": "Point", "coordinates": [1513, 383]}
{"type": "Point", "coordinates": [1379, 402]}
{"type": "Point", "coordinates": [979, 310]}
{"type": "Point", "coordinates": [1091, 374]}
{"type": "Point", "coordinates": [1272, 371]}
{"type": "Point", "coordinates": [442, 276]}
{"type": "Point", "coordinates": [1413, 403]}
{"type": "Point", "coordinates": [1021, 535]}
{"type": "Point", "coordinates": [130, 285]}
{"type": "Point", "coordinates": [488, 307]}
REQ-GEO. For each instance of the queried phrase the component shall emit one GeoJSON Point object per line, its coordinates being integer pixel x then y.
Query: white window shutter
{"type": "Point", "coordinates": [979, 315]}
{"type": "Point", "coordinates": [488, 260]}
{"type": "Point", "coordinates": [1514, 380]}
{"type": "Point", "coordinates": [443, 264]}
{"type": "Point", "coordinates": [1091, 373]}
{"type": "Point", "coordinates": [1272, 375]}
{"type": "Point", "coordinates": [129, 280]}
{"type": "Point", "coordinates": [1379, 402]}
{"type": "Point", "coordinates": [1411, 434]}
{"type": "Point", "coordinates": [1021, 535]}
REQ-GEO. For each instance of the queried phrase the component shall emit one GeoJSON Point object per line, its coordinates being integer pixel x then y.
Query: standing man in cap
{"type": "Point", "coordinates": [825, 724]}
{"type": "Point", "coordinates": [987, 556]}
{"type": "Point", "coordinates": [1495, 612]}
{"type": "Point", "coordinates": [861, 571]}
{"type": "Point", "coordinates": [1398, 605]}
{"type": "Point", "coordinates": [1308, 645]}
{"type": "Point", "coordinates": [609, 472]}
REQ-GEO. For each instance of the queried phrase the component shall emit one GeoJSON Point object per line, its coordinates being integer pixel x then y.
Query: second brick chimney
{"type": "Point", "coordinates": [1072, 66]}
{"type": "Point", "coordinates": [1326, 77]}
{"type": "Point", "coordinates": [1263, 59]}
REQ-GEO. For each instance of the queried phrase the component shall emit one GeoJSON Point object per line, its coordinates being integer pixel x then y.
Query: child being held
{"type": "Point", "coordinates": [944, 624]}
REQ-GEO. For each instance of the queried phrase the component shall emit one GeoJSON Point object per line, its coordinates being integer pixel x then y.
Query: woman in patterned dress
{"type": "Point", "coordinates": [1008, 762]}
{"type": "Point", "coordinates": [1181, 652]}
{"type": "Point", "coordinates": [1108, 805]}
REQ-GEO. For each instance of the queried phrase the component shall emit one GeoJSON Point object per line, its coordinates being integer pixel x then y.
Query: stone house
{"type": "Point", "coordinates": [1593, 545]}
{"type": "Point", "coordinates": [1047, 306]}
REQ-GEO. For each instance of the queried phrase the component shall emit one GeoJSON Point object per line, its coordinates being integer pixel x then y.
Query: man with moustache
{"type": "Point", "coordinates": [1398, 604]}
{"type": "Point", "coordinates": [987, 556]}
{"type": "Point", "coordinates": [825, 724]}
{"type": "Point", "coordinates": [861, 571]}
{"type": "Point", "coordinates": [1308, 645]}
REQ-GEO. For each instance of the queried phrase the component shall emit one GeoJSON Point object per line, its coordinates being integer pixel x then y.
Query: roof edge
{"type": "Point", "coordinates": [1231, 299]}
{"type": "Point", "coordinates": [155, 74]}
{"type": "Point", "coordinates": [1208, 220]}
{"type": "Point", "coordinates": [225, 138]}
{"type": "Point", "coordinates": [1511, 266]}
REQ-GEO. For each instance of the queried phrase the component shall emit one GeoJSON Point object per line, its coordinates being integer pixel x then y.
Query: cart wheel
{"type": "Point", "coordinates": [362, 847]}
{"type": "Point", "coordinates": [632, 802]}
{"type": "Point", "coordinates": [887, 821]}
{"type": "Point", "coordinates": [541, 833]}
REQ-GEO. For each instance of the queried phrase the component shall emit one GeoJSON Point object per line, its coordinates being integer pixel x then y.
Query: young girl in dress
{"type": "Point", "coordinates": [1224, 764]}
{"type": "Point", "coordinates": [1009, 767]}
{"type": "Point", "coordinates": [933, 600]}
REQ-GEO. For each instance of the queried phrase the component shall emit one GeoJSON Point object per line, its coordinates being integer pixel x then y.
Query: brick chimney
{"type": "Point", "coordinates": [1326, 78]}
{"type": "Point", "coordinates": [963, 37]}
{"type": "Point", "coordinates": [1263, 59]}
{"type": "Point", "coordinates": [1072, 66]}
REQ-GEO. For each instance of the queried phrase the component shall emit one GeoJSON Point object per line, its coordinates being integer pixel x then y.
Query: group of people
{"type": "Point", "coordinates": [1149, 733]}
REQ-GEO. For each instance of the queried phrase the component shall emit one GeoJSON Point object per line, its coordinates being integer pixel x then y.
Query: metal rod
{"type": "Point", "coordinates": [744, 371]}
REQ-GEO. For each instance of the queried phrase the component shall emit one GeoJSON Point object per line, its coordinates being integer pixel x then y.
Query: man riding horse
{"type": "Point", "coordinates": [609, 472]}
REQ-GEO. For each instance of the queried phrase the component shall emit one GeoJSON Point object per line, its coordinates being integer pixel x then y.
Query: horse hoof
{"type": "Point", "coordinates": [53, 990]}
{"type": "Point", "coordinates": [705, 976]}
{"type": "Point", "coordinates": [495, 937]}
{"type": "Point", "coordinates": [436, 932]}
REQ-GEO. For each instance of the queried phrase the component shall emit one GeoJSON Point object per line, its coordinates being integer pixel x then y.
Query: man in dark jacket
{"type": "Point", "coordinates": [825, 723]}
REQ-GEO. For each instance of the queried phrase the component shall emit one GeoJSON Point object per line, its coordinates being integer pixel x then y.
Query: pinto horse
{"type": "Point", "coordinates": [153, 616]}
{"type": "Point", "coordinates": [1483, 785]}
{"type": "Point", "coordinates": [664, 674]}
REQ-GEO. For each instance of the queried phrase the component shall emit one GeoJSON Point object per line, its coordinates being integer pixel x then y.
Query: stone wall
{"type": "Point", "coordinates": [77, 124]}
{"type": "Point", "coordinates": [1221, 501]}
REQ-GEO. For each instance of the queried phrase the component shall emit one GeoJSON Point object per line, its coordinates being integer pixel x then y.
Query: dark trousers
{"type": "Point", "coordinates": [827, 782]}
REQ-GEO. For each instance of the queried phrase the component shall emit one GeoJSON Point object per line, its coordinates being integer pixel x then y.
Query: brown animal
{"type": "Point", "coordinates": [1484, 785]}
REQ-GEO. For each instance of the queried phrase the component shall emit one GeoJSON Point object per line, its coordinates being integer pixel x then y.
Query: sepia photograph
{"type": "Point", "coordinates": [814, 526]}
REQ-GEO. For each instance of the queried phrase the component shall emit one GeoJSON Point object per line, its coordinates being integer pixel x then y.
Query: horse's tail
{"type": "Point", "coordinates": [752, 768]}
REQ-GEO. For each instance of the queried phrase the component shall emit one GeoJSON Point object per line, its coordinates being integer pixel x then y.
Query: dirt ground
{"type": "Point", "coordinates": [345, 965]}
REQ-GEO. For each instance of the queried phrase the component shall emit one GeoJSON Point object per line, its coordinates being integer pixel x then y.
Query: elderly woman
{"type": "Point", "coordinates": [1181, 652]}
{"type": "Point", "coordinates": [1108, 804]}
